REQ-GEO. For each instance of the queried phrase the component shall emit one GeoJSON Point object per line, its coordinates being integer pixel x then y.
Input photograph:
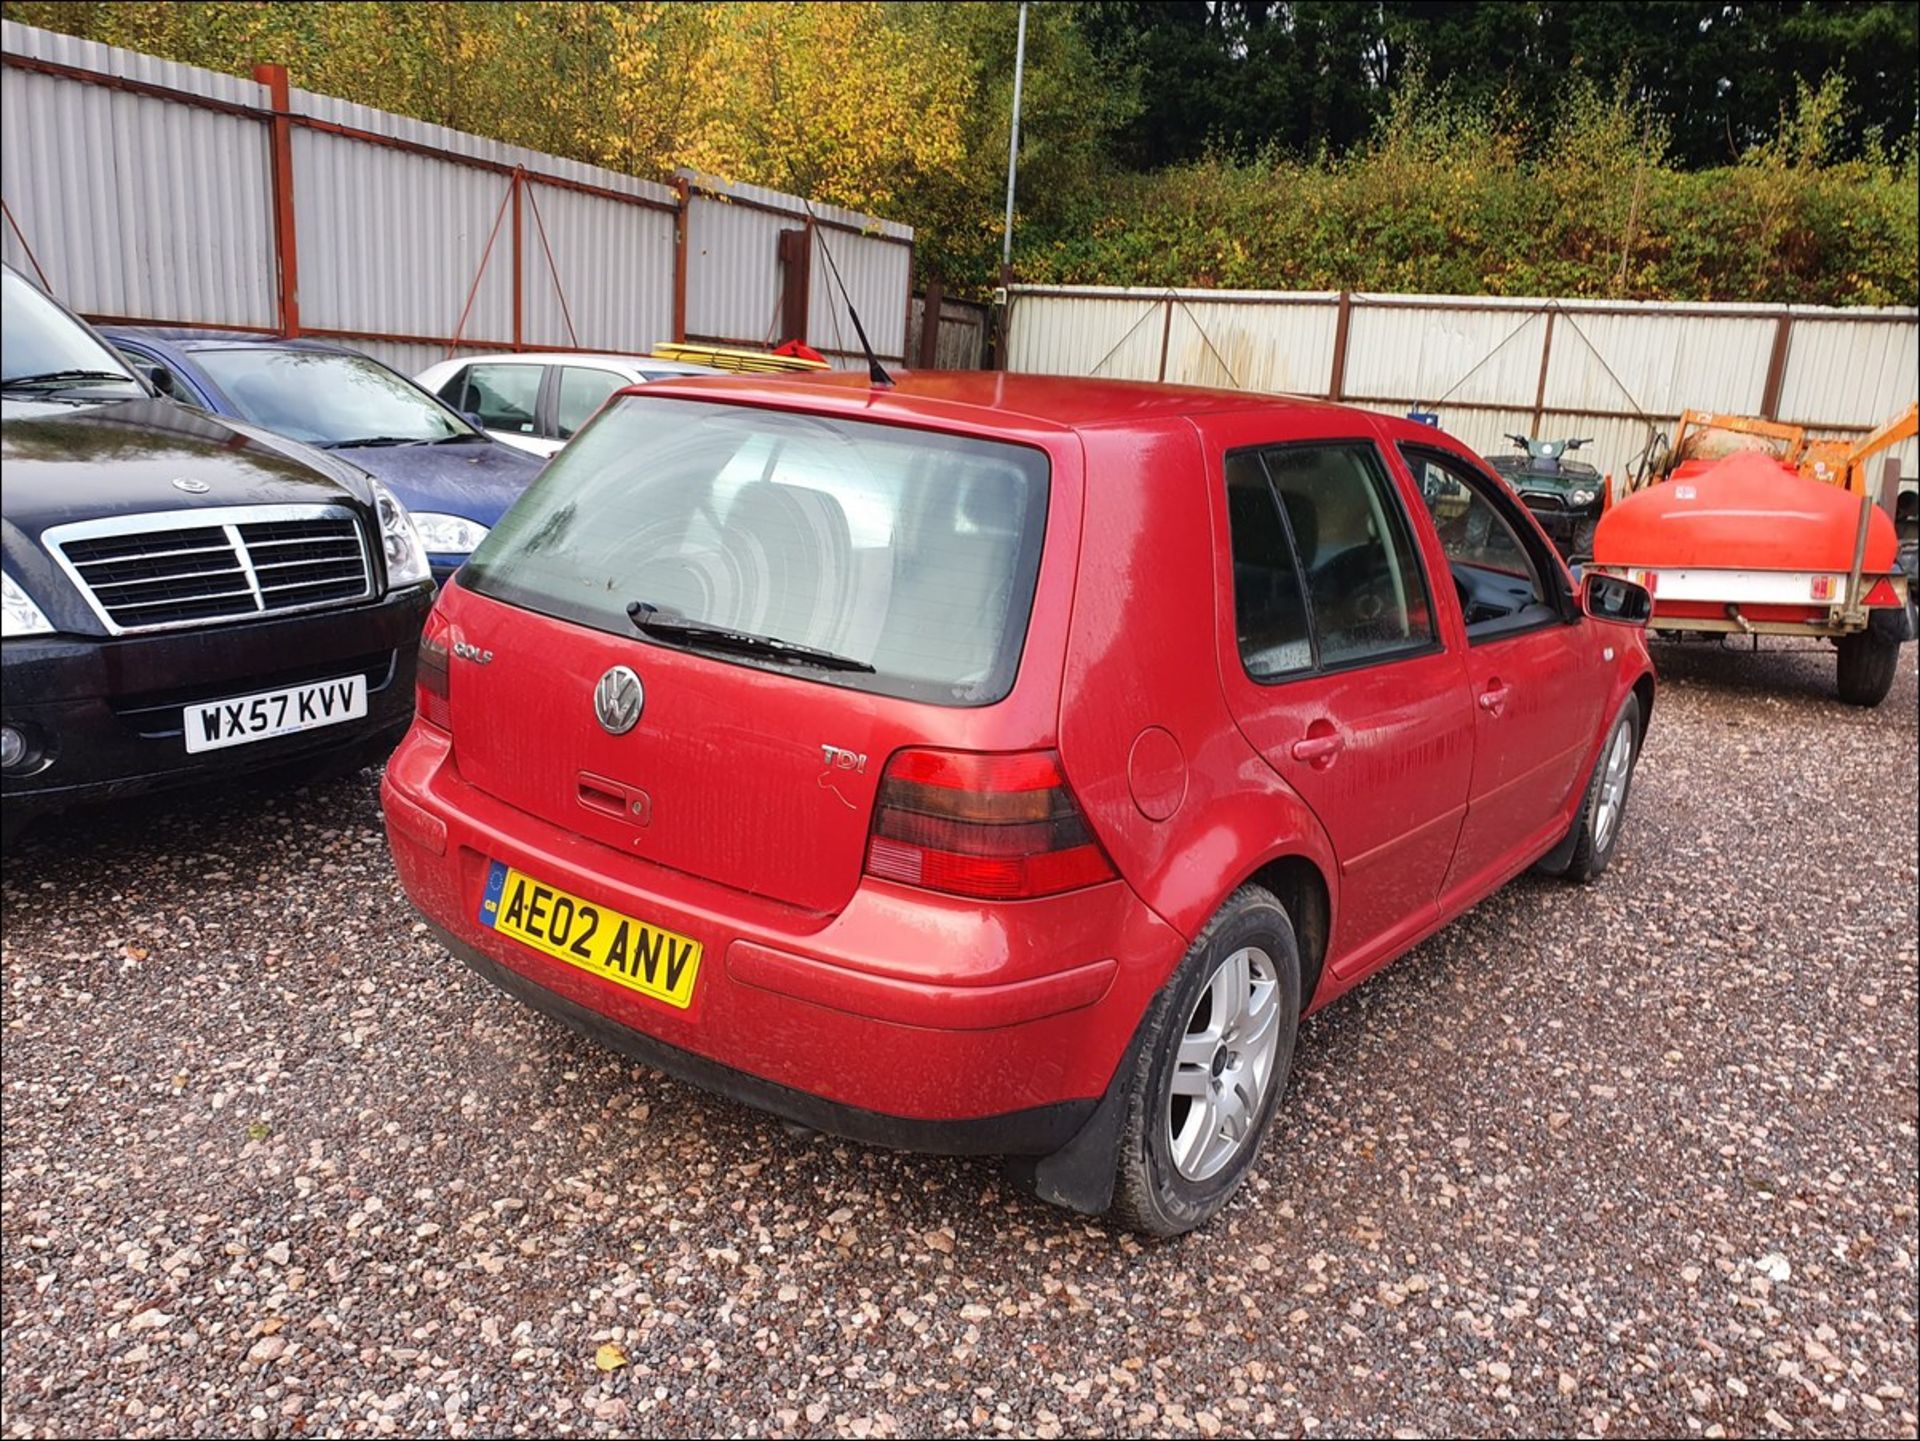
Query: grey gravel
{"type": "Point", "coordinates": [1632, 1159]}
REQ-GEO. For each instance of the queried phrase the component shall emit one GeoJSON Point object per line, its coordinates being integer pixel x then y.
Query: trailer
{"type": "Point", "coordinates": [1746, 527]}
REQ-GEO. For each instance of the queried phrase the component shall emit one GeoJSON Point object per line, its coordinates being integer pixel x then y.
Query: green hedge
{"type": "Point", "coordinates": [1446, 201]}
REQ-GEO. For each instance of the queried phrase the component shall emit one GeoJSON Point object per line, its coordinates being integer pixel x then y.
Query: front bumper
{"type": "Point", "coordinates": [908, 1019]}
{"type": "Point", "coordinates": [104, 716]}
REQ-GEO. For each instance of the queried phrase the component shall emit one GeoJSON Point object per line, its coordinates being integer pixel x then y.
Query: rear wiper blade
{"type": "Point", "coordinates": [652, 620]}
{"type": "Point", "coordinates": [65, 377]}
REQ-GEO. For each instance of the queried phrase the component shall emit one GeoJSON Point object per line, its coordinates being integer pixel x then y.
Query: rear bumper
{"type": "Point", "coordinates": [103, 716]}
{"type": "Point", "coordinates": [908, 1019]}
{"type": "Point", "coordinates": [1037, 1131]}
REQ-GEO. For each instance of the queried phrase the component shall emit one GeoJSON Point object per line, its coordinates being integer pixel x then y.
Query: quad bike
{"type": "Point", "coordinates": [1564, 495]}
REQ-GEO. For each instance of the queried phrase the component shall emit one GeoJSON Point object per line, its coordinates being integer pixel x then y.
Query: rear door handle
{"type": "Point", "coordinates": [1320, 749]}
{"type": "Point", "coordinates": [1493, 699]}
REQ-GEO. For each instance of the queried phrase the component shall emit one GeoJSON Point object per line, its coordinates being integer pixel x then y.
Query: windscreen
{"type": "Point", "coordinates": [325, 398]}
{"type": "Point", "coordinates": [40, 340]}
{"type": "Point", "coordinates": [909, 551]}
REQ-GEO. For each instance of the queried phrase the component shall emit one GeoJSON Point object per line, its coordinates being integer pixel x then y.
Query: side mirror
{"type": "Point", "coordinates": [472, 417]}
{"type": "Point", "coordinates": [1610, 598]}
{"type": "Point", "coordinates": [161, 379]}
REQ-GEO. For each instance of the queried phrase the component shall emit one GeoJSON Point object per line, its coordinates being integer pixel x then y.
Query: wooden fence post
{"type": "Point", "coordinates": [930, 304]}
{"type": "Point", "coordinates": [1776, 368]}
{"type": "Point", "coordinates": [1342, 328]}
{"type": "Point", "coordinates": [1540, 390]}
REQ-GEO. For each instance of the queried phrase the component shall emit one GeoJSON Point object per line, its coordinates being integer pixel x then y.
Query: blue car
{"type": "Point", "coordinates": [456, 480]}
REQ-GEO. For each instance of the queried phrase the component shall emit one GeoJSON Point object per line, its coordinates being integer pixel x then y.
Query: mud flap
{"type": "Point", "coordinates": [1893, 624]}
{"type": "Point", "coordinates": [1555, 861]}
{"type": "Point", "coordinates": [1080, 1175]}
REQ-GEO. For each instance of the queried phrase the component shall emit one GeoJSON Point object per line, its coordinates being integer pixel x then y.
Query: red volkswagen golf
{"type": "Point", "coordinates": [1001, 764]}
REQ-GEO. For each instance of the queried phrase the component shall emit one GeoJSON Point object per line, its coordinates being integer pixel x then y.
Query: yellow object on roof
{"type": "Point", "coordinates": [745, 362]}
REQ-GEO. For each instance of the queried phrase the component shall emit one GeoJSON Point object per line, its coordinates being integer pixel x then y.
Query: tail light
{"type": "Point", "coordinates": [998, 827]}
{"type": "Point", "coordinates": [430, 672]}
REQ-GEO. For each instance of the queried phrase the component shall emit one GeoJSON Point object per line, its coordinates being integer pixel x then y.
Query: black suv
{"type": "Point", "coordinates": [184, 595]}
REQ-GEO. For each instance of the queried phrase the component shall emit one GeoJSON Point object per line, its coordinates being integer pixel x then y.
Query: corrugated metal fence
{"type": "Point", "coordinates": [1493, 366]}
{"type": "Point", "coordinates": [146, 191]}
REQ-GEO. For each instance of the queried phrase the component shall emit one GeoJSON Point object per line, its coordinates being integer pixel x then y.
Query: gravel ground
{"type": "Point", "coordinates": [1634, 1159]}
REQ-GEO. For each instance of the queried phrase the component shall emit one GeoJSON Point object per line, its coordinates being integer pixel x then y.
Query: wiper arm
{"type": "Point", "coordinates": [374, 440]}
{"type": "Point", "coordinates": [65, 377]}
{"type": "Point", "coordinates": [653, 621]}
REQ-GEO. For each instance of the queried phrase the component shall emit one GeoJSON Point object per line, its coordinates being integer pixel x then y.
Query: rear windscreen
{"type": "Point", "coordinates": [912, 551]}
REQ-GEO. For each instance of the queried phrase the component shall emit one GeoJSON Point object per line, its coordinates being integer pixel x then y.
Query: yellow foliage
{"type": "Point", "coordinates": [830, 100]}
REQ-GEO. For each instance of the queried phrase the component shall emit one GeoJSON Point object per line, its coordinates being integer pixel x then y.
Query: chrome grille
{"type": "Point", "coordinates": [183, 568]}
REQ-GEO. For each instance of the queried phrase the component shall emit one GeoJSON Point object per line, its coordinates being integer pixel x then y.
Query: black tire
{"type": "Point", "coordinates": [1593, 852]}
{"type": "Point", "coordinates": [1151, 1195]}
{"type": "Point", "coordinates": [1581, 548]}
{"type": "Point", "coordinates": [1866, 667]}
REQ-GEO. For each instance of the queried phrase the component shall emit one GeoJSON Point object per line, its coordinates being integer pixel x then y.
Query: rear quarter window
{"type": "Point", "coordinates": [912, 551]}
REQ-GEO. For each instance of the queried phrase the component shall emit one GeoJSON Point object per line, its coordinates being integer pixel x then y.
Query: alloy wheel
{"type": "Point", "coordinates": [1224, 1065]}
{"type": "Point", "coordinates": [1613, 787]}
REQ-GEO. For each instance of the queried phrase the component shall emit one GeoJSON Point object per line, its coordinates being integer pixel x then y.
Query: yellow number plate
{"type": "Point", "coordinates": [616, 948]}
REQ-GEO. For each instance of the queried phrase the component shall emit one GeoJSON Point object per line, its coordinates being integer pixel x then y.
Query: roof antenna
{"type": "Point", "coordinates": [876, 372]}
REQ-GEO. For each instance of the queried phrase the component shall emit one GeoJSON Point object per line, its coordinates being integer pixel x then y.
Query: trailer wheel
{"type": "Point", "coordinates": [1867, 663]}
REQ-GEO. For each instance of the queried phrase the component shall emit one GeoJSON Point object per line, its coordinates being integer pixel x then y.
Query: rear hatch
{"type": "Point", "coordinates": [814, 593]}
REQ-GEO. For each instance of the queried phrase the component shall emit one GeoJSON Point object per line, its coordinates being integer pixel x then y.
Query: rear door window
{"type": "Point", "coordinates": [583, 390]}
{"type": "Point", "coordinates": [504, 397]}
{"type": "Point", "coordinates": [1348, 583]}
{"type": "Point", "coordinates": [1269, 606]}
{"type": "Point", "coordinates": [911, 551]}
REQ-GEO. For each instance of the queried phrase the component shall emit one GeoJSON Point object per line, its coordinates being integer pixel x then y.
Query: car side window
{"type": "Point", "coordinates": [503, 396]}
{"type": "Point", "coordinates": [1325, 571]}
{"type": "Point", "coordinates": [1495, 573]}
{"type": "Point", "coordinates": [1269, 606]}
{"type": "Point", "coordinates": [583, 391]}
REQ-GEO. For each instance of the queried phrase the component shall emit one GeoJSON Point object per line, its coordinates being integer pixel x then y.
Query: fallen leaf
{"type": "Point", "coordinates": [610, 1357]}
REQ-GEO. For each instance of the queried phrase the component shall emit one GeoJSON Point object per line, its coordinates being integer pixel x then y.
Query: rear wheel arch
{"type": "Point", "coordinates": [1297, 883]}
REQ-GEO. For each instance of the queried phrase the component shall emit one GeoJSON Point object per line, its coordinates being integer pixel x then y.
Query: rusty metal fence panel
{"type": "Point", "coordinates": [618, 269]}
{"type": "Point", "coordinates": [878, 273]}
{"type": "Point", "coordinates": [128, 204]}
{"type": "Point", "coordinates": [1617, 371]}
{"type": "Point", "coordinates": [738, 290]}
{"type": "Point", "coordinates": [391, 241]}
{"type": "Point", "coordinates": [733, 274]}
{"type": "Point", "coordinates": [145, 191]}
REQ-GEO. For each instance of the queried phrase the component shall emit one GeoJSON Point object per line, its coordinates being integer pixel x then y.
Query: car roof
{"type": "Point", "coordinates": [194, 338]}
{"type": "Point", "coordinates": [647, 363]}
{"type": "Point", "coordinates": [1060, 401]}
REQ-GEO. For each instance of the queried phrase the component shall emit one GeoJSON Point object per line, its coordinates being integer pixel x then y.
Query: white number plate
{"type": "Point", "coordinates": [213, 724]}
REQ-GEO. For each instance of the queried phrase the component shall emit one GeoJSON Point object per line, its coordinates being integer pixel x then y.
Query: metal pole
{"type": "Point", "coordinates": [1013, 146]}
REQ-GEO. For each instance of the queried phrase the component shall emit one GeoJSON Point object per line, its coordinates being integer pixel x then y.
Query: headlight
{"type": "Point", "coordinates": [1583, 497]}
{"type": "Point", "coordinates": [448, 534]}
{"type": "Point", "coordinates": [18, 614]}
{"type": "Point", "coordinates": [406, 557]}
